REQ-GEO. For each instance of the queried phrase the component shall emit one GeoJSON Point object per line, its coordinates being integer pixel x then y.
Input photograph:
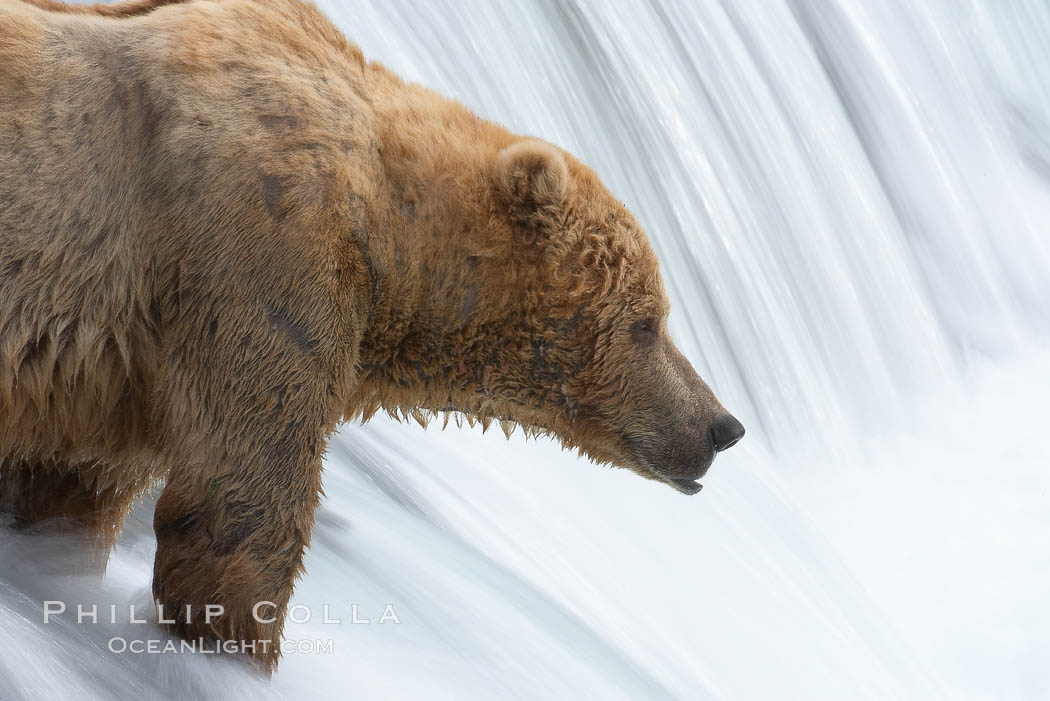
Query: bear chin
{"type": "Point", "coordinates": [685, 486]}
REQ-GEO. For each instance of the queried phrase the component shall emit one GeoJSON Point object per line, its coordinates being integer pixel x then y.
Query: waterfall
{"type": "Point", "coordinates": [850, 201]}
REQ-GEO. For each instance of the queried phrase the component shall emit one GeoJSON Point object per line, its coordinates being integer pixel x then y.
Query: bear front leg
{"type": "Point", "coordinates": [89, 500]}
{"type": "Point", "coordinates": [231, 533]}
{"type": "Point", "coordinates": [253, 381]}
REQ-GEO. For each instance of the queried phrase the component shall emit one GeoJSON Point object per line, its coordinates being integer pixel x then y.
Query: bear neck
{"type": "Point", "coordinates": [426, 251]}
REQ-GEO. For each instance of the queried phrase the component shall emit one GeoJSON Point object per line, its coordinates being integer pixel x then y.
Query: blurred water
{"type": "Point", "coordinates": [848, 199]}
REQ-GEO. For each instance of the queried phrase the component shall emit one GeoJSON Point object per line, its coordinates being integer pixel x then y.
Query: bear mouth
{"type": "Point", "coordinates": [644, 465]}
{"type": "Point", "coordinates": [685, 486]}
{"type": "Point", "coordinates": [689, 487]}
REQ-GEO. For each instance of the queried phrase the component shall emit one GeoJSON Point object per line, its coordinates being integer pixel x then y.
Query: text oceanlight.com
{"type": "Point", "coordinates": [205, 646]}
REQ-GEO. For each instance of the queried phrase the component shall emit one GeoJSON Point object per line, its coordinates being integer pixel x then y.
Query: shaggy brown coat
{"type": "Point", "coordinates": [222, 232]}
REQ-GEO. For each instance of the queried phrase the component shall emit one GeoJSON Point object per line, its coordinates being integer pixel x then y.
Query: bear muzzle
{"type": "Point", "coordinates": [683, 459]}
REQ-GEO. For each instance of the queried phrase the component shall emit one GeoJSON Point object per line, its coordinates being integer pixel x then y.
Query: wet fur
{"type": "Point", "coordinates": [222, 231]}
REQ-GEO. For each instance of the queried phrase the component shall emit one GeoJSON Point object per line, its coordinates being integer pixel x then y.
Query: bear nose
{"type": "Point", "coordinates": [726, 431]}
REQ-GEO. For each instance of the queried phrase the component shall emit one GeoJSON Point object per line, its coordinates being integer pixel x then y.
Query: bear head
{"type": "Point", "coordinates": [545, 310]}
{"type": "Point", "coordinates": [600, 363]}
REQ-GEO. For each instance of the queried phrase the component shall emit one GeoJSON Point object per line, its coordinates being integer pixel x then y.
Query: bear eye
{"type": "Point", "coordinates": [644, 330]}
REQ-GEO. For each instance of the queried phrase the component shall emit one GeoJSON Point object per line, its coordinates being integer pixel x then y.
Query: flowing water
{"type": "Point", "coordinates": [849, 200]}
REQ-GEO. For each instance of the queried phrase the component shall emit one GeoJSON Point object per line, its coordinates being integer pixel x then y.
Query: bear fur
{"type": "Point", "coordinates": [222, 232]}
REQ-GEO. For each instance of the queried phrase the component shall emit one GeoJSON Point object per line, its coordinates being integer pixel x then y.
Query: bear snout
{"type": "Point", "coordinates": [685, 456]}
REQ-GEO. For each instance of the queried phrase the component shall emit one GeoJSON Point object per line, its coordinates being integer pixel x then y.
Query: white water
{"type": "Point", "coordinates": [849, 200]}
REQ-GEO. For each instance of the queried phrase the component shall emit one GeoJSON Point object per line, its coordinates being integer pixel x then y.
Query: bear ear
{"type": "Point", "coordinates": [532, 179]}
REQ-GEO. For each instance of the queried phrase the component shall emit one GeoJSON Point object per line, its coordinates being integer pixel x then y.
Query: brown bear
{"type": "Point", "coordinates": [222, 232]}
